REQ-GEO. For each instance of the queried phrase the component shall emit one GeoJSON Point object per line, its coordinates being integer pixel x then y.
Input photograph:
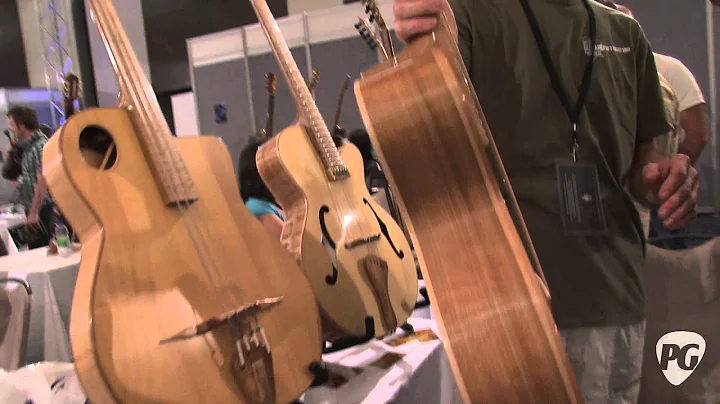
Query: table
{"type": "Point", "coordinates": [423, 375]}
{"type": "Point", "coordinates": [52, 279]}
{"type": "Point", "coordinates": [8, 220]}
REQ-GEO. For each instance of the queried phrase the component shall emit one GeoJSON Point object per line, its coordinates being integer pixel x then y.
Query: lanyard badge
{"type": "Point", "coordinates": [578, 182]}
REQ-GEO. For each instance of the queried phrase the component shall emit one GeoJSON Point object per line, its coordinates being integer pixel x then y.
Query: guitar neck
{"type": "Point", "coordinates": [271, 114]}
{"type": "Point", "coordinates": [173, 179]}
{"type": "Point", "coordinates": [307, 110]}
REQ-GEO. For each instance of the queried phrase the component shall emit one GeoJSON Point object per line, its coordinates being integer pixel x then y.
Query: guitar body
{"type": "Point", "coordinates": [426, 125]}
{"type": "Point", "coordinates": [141, 279]}
{"type": "Point", "coordinates": [339, 212]}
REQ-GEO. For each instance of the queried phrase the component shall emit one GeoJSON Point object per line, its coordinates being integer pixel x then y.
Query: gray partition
{"type": "Point", "coordinates": [224, 83]}
{"type": "Point", "coordinates": [285, 110]}
{"type": "Point", "coordinates": [335, 60]}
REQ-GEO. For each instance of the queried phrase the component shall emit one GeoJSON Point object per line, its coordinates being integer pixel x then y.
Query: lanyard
{"type": "Point", "coordinates": [573, 113]}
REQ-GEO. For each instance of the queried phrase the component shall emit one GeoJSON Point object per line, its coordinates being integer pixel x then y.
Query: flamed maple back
{"type": "Point", "coordinates": [182, 296]}
{"type": "Point", "coordinates": [427, 127]}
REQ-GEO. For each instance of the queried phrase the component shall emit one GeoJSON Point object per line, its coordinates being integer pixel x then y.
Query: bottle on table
{"type": "Point", "coordinates": [62, 237]}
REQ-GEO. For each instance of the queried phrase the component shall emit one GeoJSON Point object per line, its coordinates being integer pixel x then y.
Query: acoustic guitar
{"type": "Point", "coordinates": [271, 86]}
{"type": "Point", "coordinates": [356, 258]}
{"type": "Point", "coordinates": [181, 296]}
{"type": "Point", "coordinates": [477, 259]}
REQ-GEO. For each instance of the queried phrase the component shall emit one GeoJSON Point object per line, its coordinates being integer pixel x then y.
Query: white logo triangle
{"type": "Point", "coordinates": [679, 353]}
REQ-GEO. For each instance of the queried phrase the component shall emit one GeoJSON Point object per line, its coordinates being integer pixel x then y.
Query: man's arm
{"type": "Point", "coordinates": [694, 122]}
{"type": "Point", "coordinates": [38, 196]}
{"type": "Point", "coordinates": [655, 180]}
{"type": "Point", "coordinates": [645, 153]}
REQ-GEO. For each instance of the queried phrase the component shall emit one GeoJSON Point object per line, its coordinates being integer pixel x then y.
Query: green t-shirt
{"type": "Point", "coordinates": [594, 280]}
{"type": "Point", "coordinates": [31, 165]}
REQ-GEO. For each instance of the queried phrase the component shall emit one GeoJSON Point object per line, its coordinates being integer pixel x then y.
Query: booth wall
{"type": "Point", "coordinates": [224, 83]}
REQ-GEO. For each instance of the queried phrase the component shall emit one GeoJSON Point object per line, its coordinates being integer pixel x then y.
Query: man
{"type": "Point", "coordinates": [35, 199]}
{"type": "Point", "coordinates": [524, 58]}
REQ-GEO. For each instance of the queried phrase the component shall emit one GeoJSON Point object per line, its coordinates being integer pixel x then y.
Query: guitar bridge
{"type": "Point", "coordinates": [252, 364]}
{"type": "Point", "coordinates": [362, 241]}
{"type": "Point", "coordinates": [253, 367]}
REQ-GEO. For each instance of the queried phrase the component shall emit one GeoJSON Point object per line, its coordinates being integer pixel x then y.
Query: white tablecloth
{"type": "Point", "coordinates": [8, 220]}
{"type": "Point", "coordinates": [52, 279]}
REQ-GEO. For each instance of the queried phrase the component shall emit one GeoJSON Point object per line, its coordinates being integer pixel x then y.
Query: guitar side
{"type": "Point", "coordinates": [339, 212]}
{"type": "Point", "coordinates": [497, 326]}
{"type": "Point", "coordinates": [141, 281]}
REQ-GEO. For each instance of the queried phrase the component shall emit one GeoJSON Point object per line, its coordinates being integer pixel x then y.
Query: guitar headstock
{"type": "Point", "coordinates": [372, 9]}
{"type": "Point", "coordinates": [374, 15]}
{"type": "Point", "coordinates": [367, 33]}
{"type": "Point", "coordinates": [271, 83]}
{"type": "Point", "coordinates": [71, 92]}
{"type": "Point", "coordinates": [314, 80]}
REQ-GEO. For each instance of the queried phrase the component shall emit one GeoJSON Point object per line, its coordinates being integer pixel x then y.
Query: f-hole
{"type": "Point", "coordinates": [98, 147]}
{"type": "Point", "coordinates": [326, 239]}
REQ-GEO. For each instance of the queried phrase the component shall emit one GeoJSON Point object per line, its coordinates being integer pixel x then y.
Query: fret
{"type": "Point", "coordinates": [307, 109]}
{"type": "Point", "coordinates": [137, 95]}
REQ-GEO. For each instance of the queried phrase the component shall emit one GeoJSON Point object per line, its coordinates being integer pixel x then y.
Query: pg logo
{"type": "Point", "coordinates": [679, 353]}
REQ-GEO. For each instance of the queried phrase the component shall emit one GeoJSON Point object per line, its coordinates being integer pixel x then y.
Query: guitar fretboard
{"type": "Point", "coordinates": [173, 179]}
{"type": "Point", "coordinates": [307, 109]}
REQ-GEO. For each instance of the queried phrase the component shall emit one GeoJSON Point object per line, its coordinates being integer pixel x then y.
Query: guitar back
{"type": "Point", "coordinates": [493, 313]}
{"type": "Point", "coordinates": [149, 271]}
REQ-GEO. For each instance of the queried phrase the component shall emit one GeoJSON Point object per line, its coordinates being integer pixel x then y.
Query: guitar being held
{"type": "Point", "coordinates": [595, 280]}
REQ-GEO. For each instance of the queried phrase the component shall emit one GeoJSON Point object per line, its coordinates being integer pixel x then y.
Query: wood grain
{"type": "Point", "coordinates": [142, 278]}
{"type": "Point", "coordinates": [428, 129]}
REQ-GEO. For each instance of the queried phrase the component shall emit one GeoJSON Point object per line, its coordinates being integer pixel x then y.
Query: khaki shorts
{"type": "Point", "coordinates": [607, 361]}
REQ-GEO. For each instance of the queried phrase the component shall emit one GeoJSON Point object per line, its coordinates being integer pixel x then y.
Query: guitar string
{"type": "Point", "coordinates": [153, 143]}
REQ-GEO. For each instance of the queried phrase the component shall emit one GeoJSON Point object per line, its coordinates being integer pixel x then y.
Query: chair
{"type": "Point", "coordinates": [14, 323]}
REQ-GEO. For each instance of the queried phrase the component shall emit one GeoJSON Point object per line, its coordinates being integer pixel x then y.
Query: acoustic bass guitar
{"type": "Point", "coordinates": [356, 258]}
{"type": "Point", "coordinates": [181, 296]}
{"type": "Point", "coordinates": [477, 259]}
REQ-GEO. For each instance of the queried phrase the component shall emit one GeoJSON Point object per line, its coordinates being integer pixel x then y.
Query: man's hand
{"type": "Point", "coordinates": [416, 17]}
{"type": "Point", "coordinates": [673, 186]}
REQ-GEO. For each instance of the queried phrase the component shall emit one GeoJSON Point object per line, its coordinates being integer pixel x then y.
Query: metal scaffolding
{"type": "Point", "coordinates": [57, 38]}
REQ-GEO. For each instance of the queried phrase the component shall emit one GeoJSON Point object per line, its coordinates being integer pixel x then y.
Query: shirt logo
{"type": "Point", "coordinates": [601, 48]}
{"type": "Point", "coordinates": [679, 353]}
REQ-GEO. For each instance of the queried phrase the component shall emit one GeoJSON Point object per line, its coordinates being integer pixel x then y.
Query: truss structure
{"type": "Point", "coordinates": [54, 19]}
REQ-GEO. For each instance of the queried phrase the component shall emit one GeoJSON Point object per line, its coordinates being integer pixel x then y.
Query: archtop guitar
{"type": "Point", "coordinates": [356, 258]}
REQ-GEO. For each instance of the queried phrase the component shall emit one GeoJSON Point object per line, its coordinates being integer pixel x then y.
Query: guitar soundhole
{"type": "Point", "coordinates": [98, 147]}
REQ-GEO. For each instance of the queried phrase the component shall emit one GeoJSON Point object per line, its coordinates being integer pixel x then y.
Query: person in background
{"type": "Point", "coordinates": [693, 132]}
{"type": "Point", "coordinates": [34, 198]}
{"type": "Point", "coordinates": [257, 197]}
{"type": "Point", "coordinates": [692, 129]}
{"type": "Point", "coordinates": [526, 60]}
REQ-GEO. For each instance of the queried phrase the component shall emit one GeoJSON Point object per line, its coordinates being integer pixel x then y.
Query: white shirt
{"type": "Point", "coordinates": [682, 82]}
